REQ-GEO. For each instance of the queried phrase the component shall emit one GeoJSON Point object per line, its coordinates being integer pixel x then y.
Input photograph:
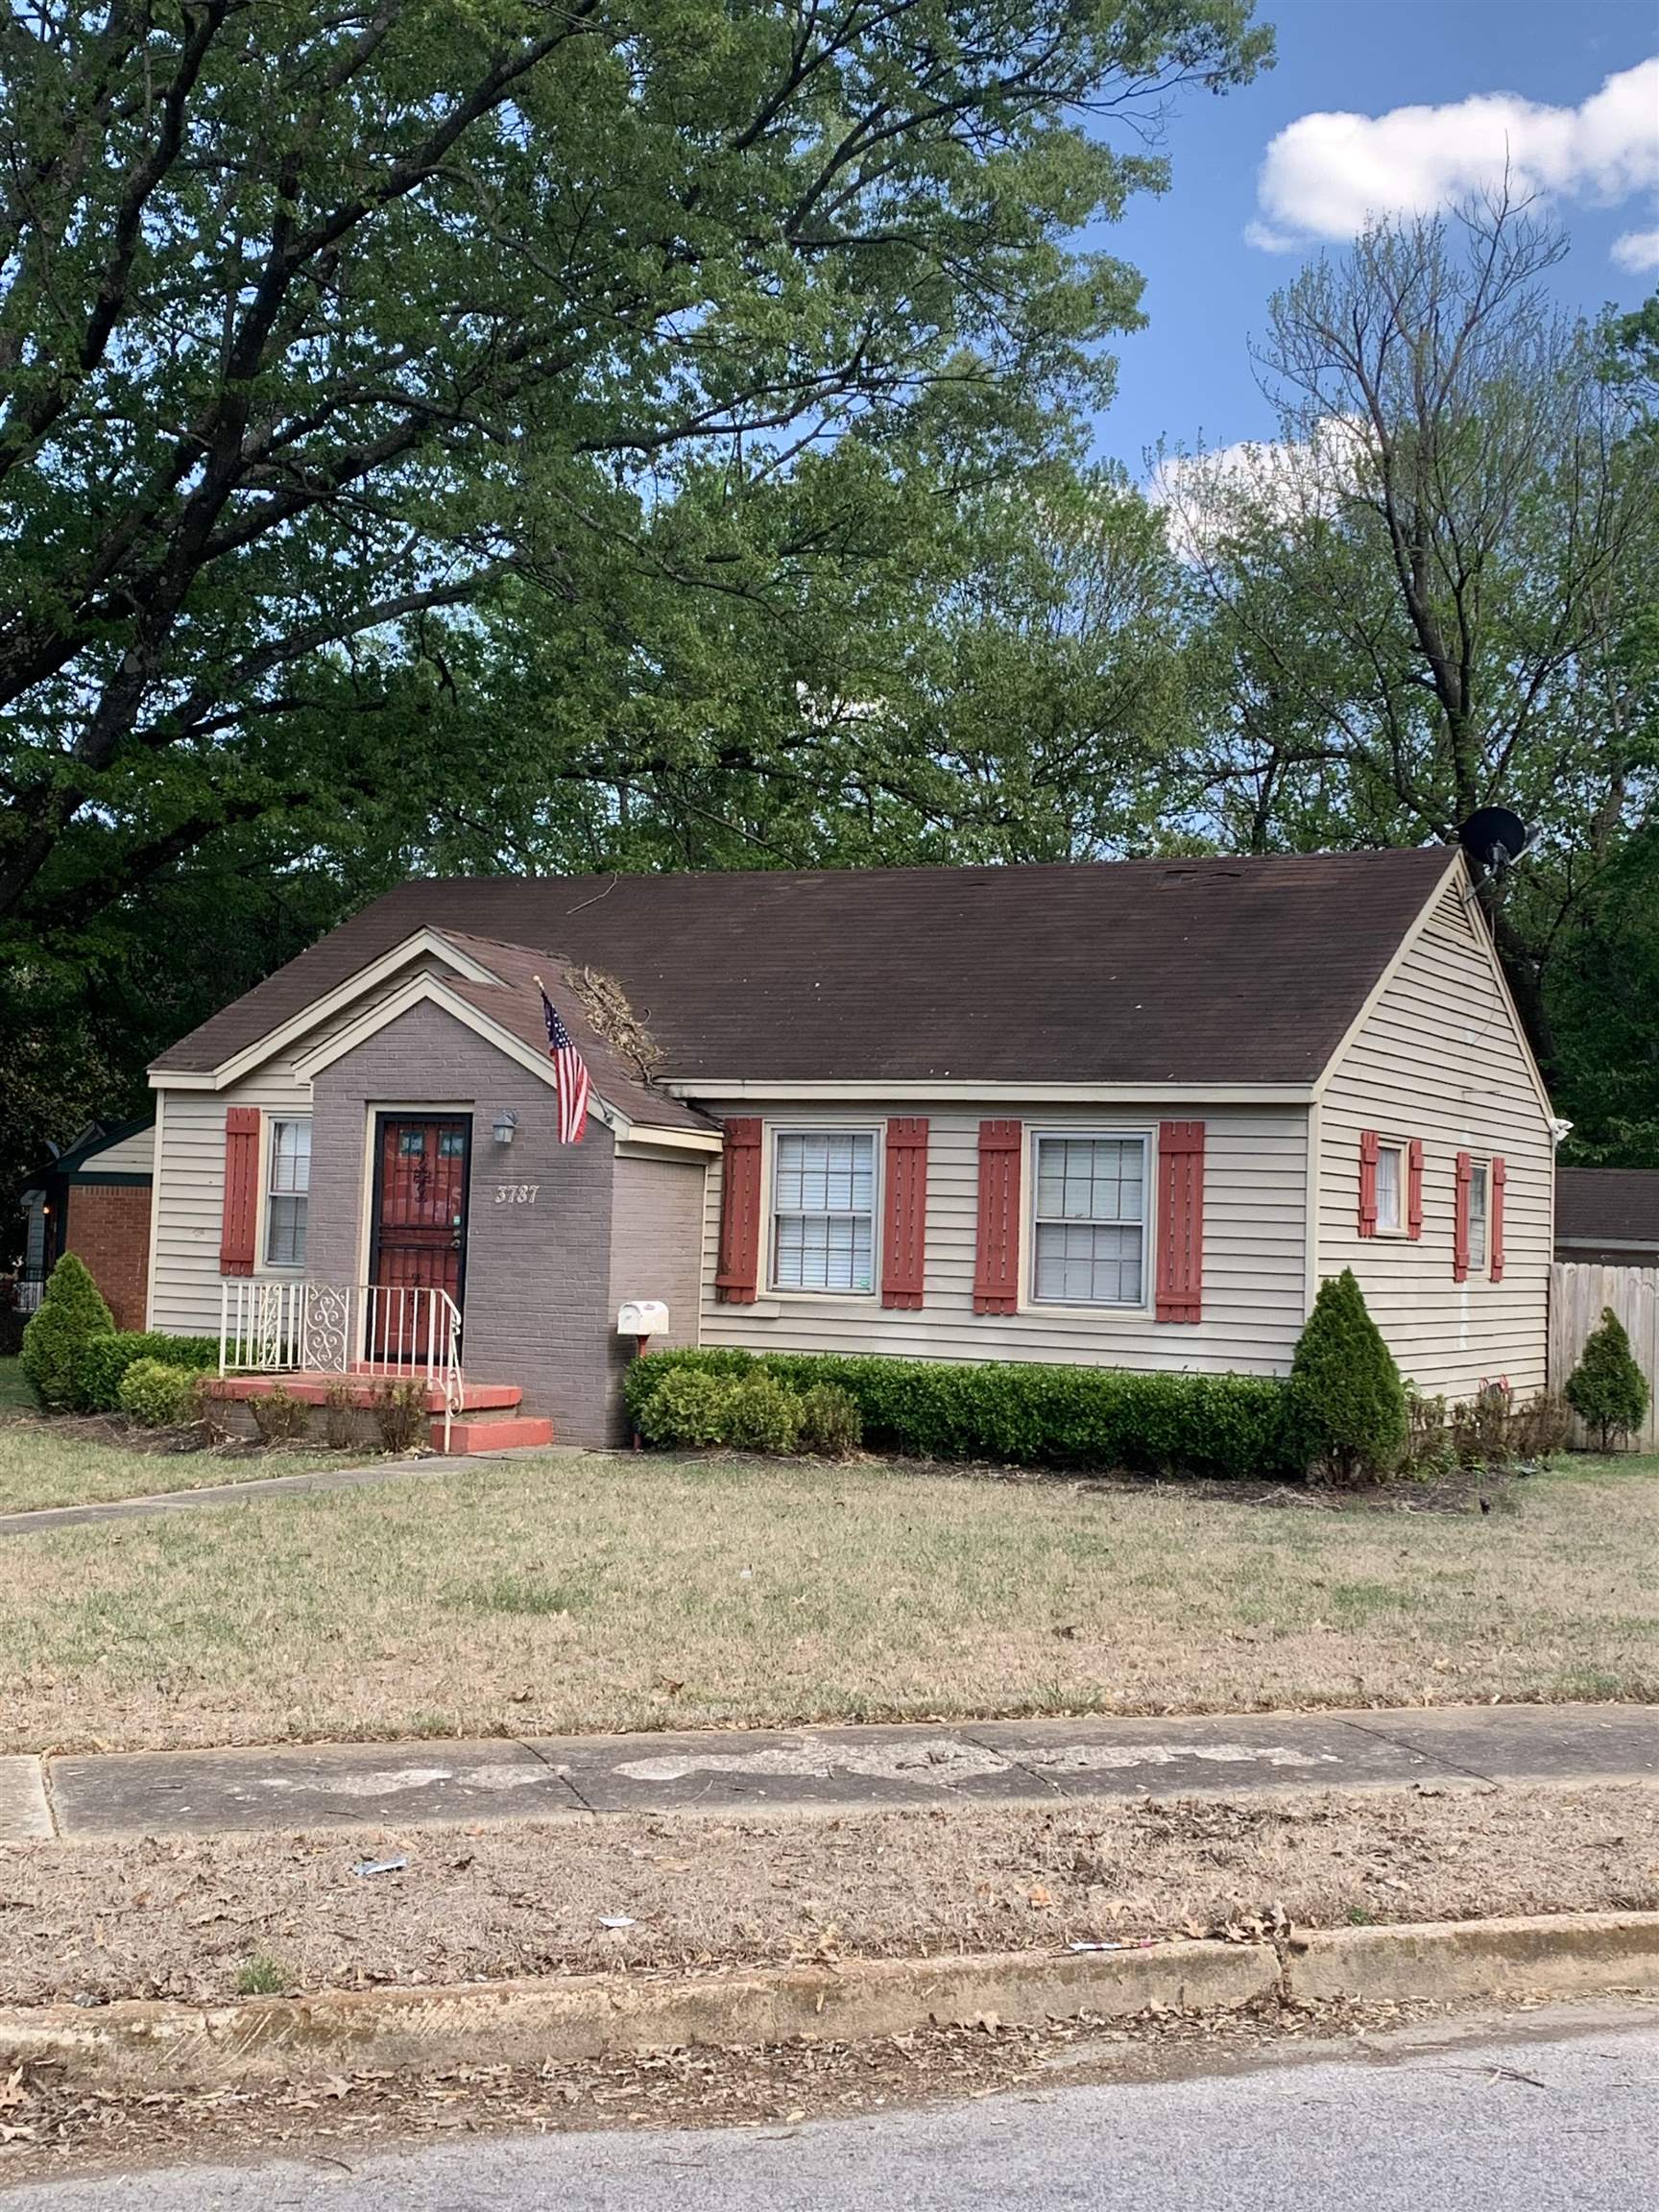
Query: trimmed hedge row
{"type": "Point", "coordinates": [1027, 1416]}
{"type": "Point", "coordinates": [102, 1361]}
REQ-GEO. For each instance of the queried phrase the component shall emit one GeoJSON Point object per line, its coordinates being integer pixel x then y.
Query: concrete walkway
{"type": "Point", "coordinates": [584, 1777]}
{"type": "Point", "coordinates": [234, 1493]}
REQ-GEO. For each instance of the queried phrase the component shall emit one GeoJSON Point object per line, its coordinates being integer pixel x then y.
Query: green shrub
{"type": "Point", "coordinates": [157, 1396]}
{"type": "Point", "coordinates": [1346, 1413]}
{"type": "Point", "coordinates": [831, 1422]}
{"type": "Point", "coordinates": [340, 1416]}
{"type": "Point", "coordinates": [279, 1415]}
{"type": "Point", "coordinates": [1023, 1415]}
{"type": "Point", "coordinates": [763, 1414]}
{"type": "Point", "coordinates": [104, 1360]}
{"type": "Point", "coordinates": [71, 1313]}
{"type": "Point", "coordinates": [686, 1409]}
{"type": "Point", "coordinates": [1607, 1389]}
{"type": "Point", "coordinates": [401, 1416]}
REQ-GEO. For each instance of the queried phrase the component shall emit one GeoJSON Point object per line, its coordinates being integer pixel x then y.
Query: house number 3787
{"type": "Point", "coordinates": [516, 1193]}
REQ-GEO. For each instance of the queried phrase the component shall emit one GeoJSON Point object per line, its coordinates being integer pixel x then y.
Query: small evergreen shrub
{"type": "Point", "coordinates": [1020, 1413]}
{"type": "Point", "coordinates": [399, 1410]}
{"type": "Point", "coordinates": [1346, 1415]}
{"type": "Point", "coordinates": [104, 1360]}
{"type": "Point", "coordinates": [1607, 1389]}
{"type": "Point", "coordinates": [831, 1422]}
{"type": "Point", "coordinates": [71, 1313]}
{"type": "Point", "coordinates": [279, 1416]}
{"type": "Point", "coordinates": [685, 1411]}
{"type": "Point", "coordinates": [763, 1414]}
{"type": "Point", "coordinates": [157, 1396]}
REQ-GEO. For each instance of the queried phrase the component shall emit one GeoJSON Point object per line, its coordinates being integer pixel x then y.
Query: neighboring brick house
{"type": "Point", "coordinates": [94, 1199]}
{"type": "Point", "coordinates": [1127, 1114]}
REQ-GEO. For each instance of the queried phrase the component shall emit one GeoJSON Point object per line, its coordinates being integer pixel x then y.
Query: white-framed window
{"type": "Point", "coordinates": [1088, 1221]}
{"type": "Point", "coordinates": [824, 1210]}
{"type": "Point", "coordinates": [287, 1185]}
{"type": "Point", "coordinates": [1479, 1182]}
{"type": "Point", "coordinates": [1390, 1189]}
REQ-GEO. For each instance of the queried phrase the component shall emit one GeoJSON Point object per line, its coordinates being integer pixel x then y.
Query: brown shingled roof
{"type": "Point", "coordinates": [1607, 1206]}
{"type": "Point", "coordinates": [1207, 970]}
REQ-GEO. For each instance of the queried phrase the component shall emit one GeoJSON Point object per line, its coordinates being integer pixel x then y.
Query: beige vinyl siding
{"type": "Point", "coordinates": [1255, 1257]}
{"type": "Point", "coordinates": [190, 1172]}
{"type": "Point", "coordinates": [134, 1155]}
{"type": "Point", "coordinates": [656, 1229]}
{"type": "Point", "coordinates": [1440, 1057]}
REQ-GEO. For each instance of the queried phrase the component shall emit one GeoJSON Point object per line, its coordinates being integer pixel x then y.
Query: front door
{"type": "Point", "coordinates": [420, 1236]}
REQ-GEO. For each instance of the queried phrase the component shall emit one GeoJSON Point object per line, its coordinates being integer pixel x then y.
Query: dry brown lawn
{"type": "Point", "coordinates": [189, 1918]}
{"type": "Point", "coordinates": [85, 1462]}
{"type": "Point", "coordinates": [564, 1594]}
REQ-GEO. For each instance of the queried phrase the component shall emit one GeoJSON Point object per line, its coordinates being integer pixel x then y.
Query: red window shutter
{"type": "Point", "coordinates": [1414, 1188]}
{"type": "Point", "coordinates": [1494, 1216]}
{"type": "Point", "coordinates": [1180, 1221]}
{"type": "Point", "coordinates": [239, 1224]}
{"type": "Point", "coordinates": [1367, 1181]}
{"type": "Point", "coordinates": [737, 1275]}
{"type": "Point", "coordinates": [1460, 1221]}
{"type": "Point", "coordinates": [904, 1212]}
{"type": "Point", "coordinates": [997, 1252]}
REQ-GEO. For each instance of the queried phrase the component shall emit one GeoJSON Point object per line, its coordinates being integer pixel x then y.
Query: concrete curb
{"type": "Point", "coordinates": [145, 2046]}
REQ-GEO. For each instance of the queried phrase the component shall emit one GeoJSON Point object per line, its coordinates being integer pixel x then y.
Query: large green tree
{"type": "Point", "coordinates": [316, 318]}
{"type": "Point", "coordinates": [525, 432]}
{"type": "Point", "coordinates": [1428, 595]}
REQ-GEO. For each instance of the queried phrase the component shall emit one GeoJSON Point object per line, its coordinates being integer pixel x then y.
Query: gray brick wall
{"type": "Point", "coordinates": [656, 1243]}
{"type": "Point", "coordinates": [537, 1295]}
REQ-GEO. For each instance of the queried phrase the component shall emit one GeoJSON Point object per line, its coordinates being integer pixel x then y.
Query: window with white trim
{"type": "Point", "coordinates": [1390, 1189]}
{"type": "Point", "coordinates": [824, 1210]}
{"type": "Point", "coordinates": [1089, 1221]}
{"type": "Point", "coordinates": [1479, 1179]}
{"type": "Point", "coordinates": [287, 1185]}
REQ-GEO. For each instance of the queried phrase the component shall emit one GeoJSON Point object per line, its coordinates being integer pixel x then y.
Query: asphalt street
{"type": "Point", "coordinates": [1527, 2117]}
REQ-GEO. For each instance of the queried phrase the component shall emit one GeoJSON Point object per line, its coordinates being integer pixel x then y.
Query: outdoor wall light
{"type": "Point", "coordinates": [506, 1126]}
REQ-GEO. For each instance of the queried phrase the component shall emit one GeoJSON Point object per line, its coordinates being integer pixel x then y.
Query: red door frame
{"type": "Point", "coordinates": [384, 1123]}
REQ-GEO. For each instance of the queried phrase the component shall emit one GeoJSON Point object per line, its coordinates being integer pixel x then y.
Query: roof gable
{"type": "Point", "coordinates": [1205, 972]}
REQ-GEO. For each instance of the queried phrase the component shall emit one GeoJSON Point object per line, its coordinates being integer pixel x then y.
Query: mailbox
{"type": "Point", "coordinates": [643, 1317]}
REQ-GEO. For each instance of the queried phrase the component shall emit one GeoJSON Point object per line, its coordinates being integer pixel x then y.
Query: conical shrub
{"type": "Point", "coordinates": [1345, 1413]}
{"type": "Point", "coordinates": [71, 1313]}
{"type": "Point", "coordinates": [1607, 1389]}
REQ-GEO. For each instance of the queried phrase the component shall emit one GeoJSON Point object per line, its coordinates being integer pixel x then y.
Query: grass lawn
{"type": "Point", "coordinates": [621, 1592]}
{"type": "Point", "coordinates": [45, 1462]}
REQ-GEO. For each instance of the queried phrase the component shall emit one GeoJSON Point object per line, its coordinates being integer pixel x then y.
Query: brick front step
{"type": "Point", "coordinates": [482, 1398]}
{"type": "Point", "coordinates": [500, 1435]}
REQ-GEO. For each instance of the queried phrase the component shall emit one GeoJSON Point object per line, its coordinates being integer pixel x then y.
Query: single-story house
{"type": "Point", "coordinates": [1608, 1214]}
{"type": "Point", "coordinates": [93, 1198]}
{"type": "Point", "coordinates": [1124, 1115]}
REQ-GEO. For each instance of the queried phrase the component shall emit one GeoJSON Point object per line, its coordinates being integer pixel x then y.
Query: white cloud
{"type": "Point", "coordinates": [1636, 250]}
{"type": "Point", "coordinates": [1325, 175]}
{"type": "Point", "coordinates": [1287, 478]}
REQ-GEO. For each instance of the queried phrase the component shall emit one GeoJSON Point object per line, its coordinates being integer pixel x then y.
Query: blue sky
{"type": "Point", "coordinates": [1188, 374]}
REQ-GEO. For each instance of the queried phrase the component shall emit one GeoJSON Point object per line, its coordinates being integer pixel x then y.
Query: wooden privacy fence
{"type": "Point", "coordinates": [1578, 1293]}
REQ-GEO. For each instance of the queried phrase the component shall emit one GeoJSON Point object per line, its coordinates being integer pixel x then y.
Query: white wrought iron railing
{"type": "Point", "coordinates": [400, 1331]}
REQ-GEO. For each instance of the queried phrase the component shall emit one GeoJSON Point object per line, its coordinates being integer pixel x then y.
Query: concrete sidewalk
{"type": "Point", "coordinates": [292, 1787]}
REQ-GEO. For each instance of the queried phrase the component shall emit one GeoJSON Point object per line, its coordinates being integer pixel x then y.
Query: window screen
{"type": "Point", "coordinates": [1089, 1227]}
{"type": "Point", "coordinates": [287, 1184]}
{"type": "Point", "coordinates": [824, 1210]}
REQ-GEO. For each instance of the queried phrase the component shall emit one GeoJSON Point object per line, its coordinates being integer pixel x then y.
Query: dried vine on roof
{"type": "Point", "coordinates": [606, 1005]}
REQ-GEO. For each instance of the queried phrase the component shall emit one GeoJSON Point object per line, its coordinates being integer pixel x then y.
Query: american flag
{"type": "Point", "coordinates": [569, 1074]}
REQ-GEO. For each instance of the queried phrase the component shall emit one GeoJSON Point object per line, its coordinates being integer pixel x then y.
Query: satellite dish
{"type": "Point", "coordinates": [1493, 837]}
